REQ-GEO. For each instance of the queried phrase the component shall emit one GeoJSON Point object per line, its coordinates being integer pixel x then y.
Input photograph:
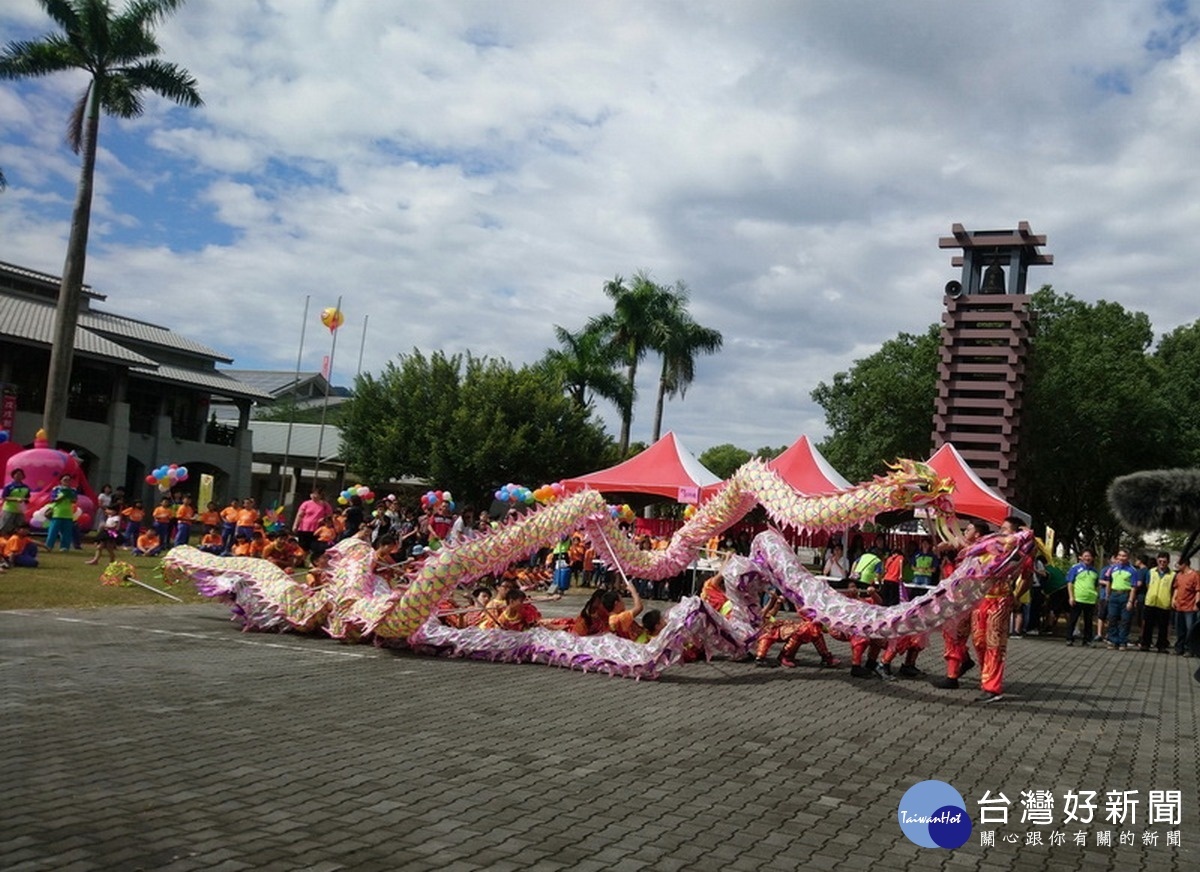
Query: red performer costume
{"type": "Point", "coordinates": [989, 634]}
{"type": "Point", "coordinates": [792, 632]}
{"type": "Point", "coordinates": [955, 634]}
{"type": "Point", "coordinates": [860, 645]}
{"type": "Point", "coordinates": [910, 647]}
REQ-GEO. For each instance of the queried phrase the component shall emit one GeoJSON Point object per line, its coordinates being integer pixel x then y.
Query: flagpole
{"type": "Point", "coordinates": [361, 346]}
{"type": "Point", "coordinates": [287, 445]}
{"type": "Point", "coordinates": [325, 405]}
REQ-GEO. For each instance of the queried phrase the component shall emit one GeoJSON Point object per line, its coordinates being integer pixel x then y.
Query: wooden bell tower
{"type": "Point", "coordinates": [985, 341]}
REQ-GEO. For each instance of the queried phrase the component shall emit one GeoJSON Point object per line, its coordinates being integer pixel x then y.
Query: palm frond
{"type": "Point", "coordinates": [119, 96]}
{"type": "Point", "coordinates": [167, 80]}
{"type": "Point", "coordinates": [50, 54]}
{"type": "Point", "coordinates": [149, 12]}
{"type": "Point", "coordinates": [63, 13]}
{"type": "Point", "coordinates": [94, 16]}
{"type": "Point", "coordinates": [75, 120]}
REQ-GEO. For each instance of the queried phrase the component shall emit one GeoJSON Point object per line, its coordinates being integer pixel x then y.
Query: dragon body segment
{"type": "Point", "coordinates": [358, 603]}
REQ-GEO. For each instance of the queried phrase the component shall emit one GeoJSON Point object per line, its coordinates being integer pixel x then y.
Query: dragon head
{"type": "Point", "coordinates": [916, 485]}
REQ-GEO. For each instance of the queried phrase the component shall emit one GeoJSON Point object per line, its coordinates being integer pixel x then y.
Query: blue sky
{"type": "Point", "coordinates": [469, 174]}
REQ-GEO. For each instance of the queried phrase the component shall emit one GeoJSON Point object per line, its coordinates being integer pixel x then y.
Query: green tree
{"type": "Point", "coordinates": [633, 328]}
{"type": "Point", "coordinates": [1094, 409]}
{"type": "Point", "coordinates": [118, 53]}
{"type": "Point", "coordinates": [680, 339]}
{"type": "Point", "coordinates": [724, 460]}
{"type": "Point", "coordinates": [469, 424]}
{"type": "Point", "coordinates": [1096, 405]}
{"type": "Point", "coordinates": [1178, 356]}
{"type": "Point", "coordinates": [585, 364]}
{"type": "Point", "coordinates": [769, 453]}
{"type": "Point", "coordinates": [882, 408]}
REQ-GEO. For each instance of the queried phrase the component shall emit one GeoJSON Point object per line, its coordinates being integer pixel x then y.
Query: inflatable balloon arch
{"type": "Point", "coordinates": [357, 604]}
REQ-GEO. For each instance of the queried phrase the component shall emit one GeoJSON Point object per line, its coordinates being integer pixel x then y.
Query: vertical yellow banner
{"type": "Point", "coordinates": [206, 492]}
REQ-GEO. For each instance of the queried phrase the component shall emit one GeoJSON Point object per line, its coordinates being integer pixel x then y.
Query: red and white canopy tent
{"type": "Point", "coordinates": [665, 469]}
{"type": "Point", "coordinates": [972, 496]}
{"type": "Point", "coordinates": [806, 469]}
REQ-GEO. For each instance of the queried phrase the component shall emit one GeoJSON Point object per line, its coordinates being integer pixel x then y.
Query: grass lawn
{"type": "Point", "coordinates": [65, 581]}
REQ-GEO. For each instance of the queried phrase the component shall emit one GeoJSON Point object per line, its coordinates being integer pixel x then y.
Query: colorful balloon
{"type": "Point", "coordinates": [332, 318]}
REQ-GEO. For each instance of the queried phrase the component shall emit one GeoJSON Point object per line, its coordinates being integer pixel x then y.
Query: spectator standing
{"type": "Point", "coordinates": [309, 516]}
{"type": "Point", "coordinates": [1156, 613]}
{"type": "Point", "coordinates": [62, 515]}
{"type": "Point", "coordinates": [104, 499]}
{"type": "Point", "coordinates": [15, 496]}
{"type": "Point", "coordinates": [352, 517]}
{"type": "Point", "coordinates": [1185, 600]}
{"type": "Point", "coordinates": [924, 564]}
{"type": "Point", "coordinates": [185, 513]}
{"type": "Point", "coordinates": [1122, 599]}
{"type": "Point", "coordinates": [1082, 593]}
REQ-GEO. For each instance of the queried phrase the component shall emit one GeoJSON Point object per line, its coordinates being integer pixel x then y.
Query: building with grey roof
{"type": "Point", "coordinates": [141, 395]}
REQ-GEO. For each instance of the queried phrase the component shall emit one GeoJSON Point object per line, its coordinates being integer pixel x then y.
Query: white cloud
{"type": "Point", "coordinates": [470, 174]}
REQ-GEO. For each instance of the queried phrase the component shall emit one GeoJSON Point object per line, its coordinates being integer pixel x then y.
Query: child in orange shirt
{"type": "Point", "coordinates": [20, 549]}
{"type": "Point", "coordinates": [211, 542]}
{"type": "Point", "coordinates": [283, 552]}
{"type": "Point", "coordinates": [210, 517]}
{"type": "Point", "coordinates": [247, 517]}
{"type": "Point", "coordinates": [241, 546]}
{"type": "Point", "coordinates": [133, 515]}
{"type": "Point", "coordinates": [257, 543]}
{"type": "Point", "coordinates": [326, 532]}
{"type": "Point", "coordinates": [229, 525]}
{"type": "Point", "coordinates": [184, 514]}
{"type": "Point", "coordinates": [164, 513]}
{"type": "Point", "coordinates": [148, 543]}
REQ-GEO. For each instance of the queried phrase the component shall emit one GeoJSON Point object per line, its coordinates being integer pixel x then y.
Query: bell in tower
{"type": "Point", "coordinates": [993, 279]}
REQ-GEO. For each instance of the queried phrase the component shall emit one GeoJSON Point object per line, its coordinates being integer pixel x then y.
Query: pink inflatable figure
{"type": "Point", "coordinates": [44, 467]}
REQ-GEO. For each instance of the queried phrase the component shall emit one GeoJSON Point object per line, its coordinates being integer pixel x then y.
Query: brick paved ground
{"type": "Point", "coordinates": [162, 738]}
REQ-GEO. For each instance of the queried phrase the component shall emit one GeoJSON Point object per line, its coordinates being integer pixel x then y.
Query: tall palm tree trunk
{"type": "Point", "coordinates": [70, 292]}
{"type": "Point", "coordinates": [627, 411]}
{"type": "Point", "coordinates": [658, 406]}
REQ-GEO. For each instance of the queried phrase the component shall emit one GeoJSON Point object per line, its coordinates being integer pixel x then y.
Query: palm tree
{"type": "Point", "coordinates": [118, 51]}
{"type": "Point", "coordinates": [632, 328]}
{"type": "Point", "coordinates": [585, 365]}
{"type": "Point", "coordinates": [680, 340]}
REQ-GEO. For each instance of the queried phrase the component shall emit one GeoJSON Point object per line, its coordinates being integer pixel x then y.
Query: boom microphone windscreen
{"type": "Point", "coordinates": [1159, 499]}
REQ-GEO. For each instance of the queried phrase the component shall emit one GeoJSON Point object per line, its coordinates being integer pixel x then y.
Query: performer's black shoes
{"type": "Point", "coordinates": [945, 682]}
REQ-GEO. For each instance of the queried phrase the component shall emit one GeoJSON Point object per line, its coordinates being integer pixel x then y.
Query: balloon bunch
{"type": "Point", "coordinates": [623, 512]}
{"type": "Point", "coordinates": [689, 512]}
{"type": "Point", "coordinates": [3, 436]}
{"type": "Point", "coordinates": [548, 493]}
{"type": "Point", "coordinates": [167, 476]}
{"type": "Point", "coordinates": [515, 494]}
{"type": "Point", "coordinates": [359, 490]}
{"type": "Point", "coordinates": [429, 499]}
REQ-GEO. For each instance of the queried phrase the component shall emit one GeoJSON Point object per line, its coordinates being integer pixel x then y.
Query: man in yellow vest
{"type": "Point", "coordinates": [1157, 614]}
